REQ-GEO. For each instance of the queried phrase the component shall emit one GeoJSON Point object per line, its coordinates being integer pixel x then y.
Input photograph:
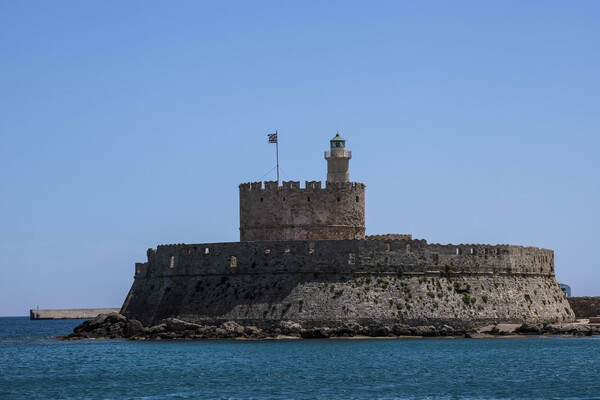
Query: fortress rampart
{"type": "Point", "coordinates": [289, 212]}
{"type": "Point", "coordinates": [337, 281]}
{"type": "Point", "coordinates": [344, 256]}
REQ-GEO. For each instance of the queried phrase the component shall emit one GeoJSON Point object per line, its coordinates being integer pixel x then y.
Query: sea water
{"type": "Point", "coordinates": [35, 365]}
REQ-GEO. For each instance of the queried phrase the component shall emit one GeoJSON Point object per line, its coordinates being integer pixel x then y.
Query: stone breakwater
{"type": "Point", "coordinates": [117, 326]}
{"type": "Point", "coordinates": [73, 313]}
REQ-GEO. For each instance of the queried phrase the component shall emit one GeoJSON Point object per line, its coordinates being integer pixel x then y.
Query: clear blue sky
{"type": "Point", "coordinates": [127, 125]}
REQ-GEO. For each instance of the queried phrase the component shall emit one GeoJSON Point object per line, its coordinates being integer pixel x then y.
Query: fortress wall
{"type": "Point", "coordinates": [585, 306]}
{"type": "Point", "coordinates": [349, 256]}
{"type": "Point", "coordinates": [336, 282]}
{"type": "Point", "coordinates": [289, 212]}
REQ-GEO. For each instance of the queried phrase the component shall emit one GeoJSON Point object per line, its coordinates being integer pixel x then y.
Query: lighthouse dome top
{"type": "Point", "coordinates": [338, 141]}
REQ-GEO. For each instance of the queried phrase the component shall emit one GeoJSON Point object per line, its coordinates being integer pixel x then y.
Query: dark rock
{"type": "Point", "coordinates": [581, 330]}
{"type": "Point", "coordinates": [177, 325]}
{"type": "Point", "coordinates": [553, 329]}
{"type": "Point", "coordinates": [315, 333]}
{"type": "Point", "coordinates": [117, 326]}
{"type": "Point", "coordinates": [346, 330]}
{"type": "Point", "coordinates": [220, 333]}
{"type": "Point", "coordinates": [424, 331]}
{"type": "Point", "coordinates": [101, 322]}
{"type": "Point", "coordinates": [381, 331]}
{"type": "Point", "coordinates": [115, 330]}
{"type": "Point", "coordinates": [505, 329]}
{"type": "Point", "coordinates": [133, 328]}
{"type": "Point", "coordinates": [83, 327]}
{"type": "Point", "coordinates": [253, 332]}
{"type": "Point", "coordinates": [446, 330]}
{"type": "Point", "coordinates": [233, 329]}
{"type": "Point", "coordinates": [530, 329]}
{"type": "Point", "coordinates": [206, 330]}
{"type": "Point", "coordinates": [115, 318]}
{"type": "Point", "coordinates": [156, 329]}
{"type": "Point", "coordinates": [167, 335]}
{"type": "Point", "coordinates": [365, 331]}
{"type": "Point", "coordinates": [401, 330]}
{"type": "Point", "coordinates": [290, 328]}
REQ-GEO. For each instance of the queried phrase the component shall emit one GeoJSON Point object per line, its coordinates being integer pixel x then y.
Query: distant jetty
{"type": "Point", "coordinates": [71, 313]}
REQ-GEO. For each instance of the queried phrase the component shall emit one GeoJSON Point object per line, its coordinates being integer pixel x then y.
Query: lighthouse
{"type": "Point", "coordinates": [338, 159]}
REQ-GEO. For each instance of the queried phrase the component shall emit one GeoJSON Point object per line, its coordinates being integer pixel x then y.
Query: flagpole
{"type": "Point", "coordinates": [277, 151]}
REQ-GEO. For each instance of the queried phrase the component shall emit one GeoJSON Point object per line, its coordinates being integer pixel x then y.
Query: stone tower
{"type": "Point", "coordinates": [337, 160]}
{"type": "Point", "coordinates": [269, 212]}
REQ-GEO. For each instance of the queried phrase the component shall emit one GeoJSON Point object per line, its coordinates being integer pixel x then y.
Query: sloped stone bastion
{"type": "Point", "coordinates": [331, 283]}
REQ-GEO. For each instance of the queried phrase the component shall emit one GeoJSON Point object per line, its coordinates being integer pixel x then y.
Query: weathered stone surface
{"type": "Point", "coordinates": [233, 329]}
{"type": "Point", "coordinates": [133, 328]}
{"type": "Point", "coordinates": [425, 331]}
{"type": "Point", "coordinates": [290, 327]}
{"type": "Point", "coordinates": [254, 332]}
{"type": "Point", "coordinates": [447, 331]}
{"type": "Point", "coordinates": [177, 325]}
{"type": "Point", "coordinates": [486, 329]}
{"type": "Point", "coordinates": [112, 325]}
{"type": "Point", "coordinates": [288, 212]}
{"type": "Point", "coordinates": [336, 282]}
{"type": "Point", "coordinates": [401, 330]}
{"type": "Point", "coordinates": [530, 329]}
{"type": "Point", "coordinates": [505, 329]}
{"type": "Point", "coordinates": [585, 306]}
{"type": "Point", "coordinates": [315, 333]}
{"type": "Point", "coordinates": [156, 329]}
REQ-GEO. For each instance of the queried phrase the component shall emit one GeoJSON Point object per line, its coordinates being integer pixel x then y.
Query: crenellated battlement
{"type": "Point", "coordinates": [308, 186]}
{"type": "Point", "coordinates": [412, 256]}
{"type": "Point", "coordinates": [390, 236]}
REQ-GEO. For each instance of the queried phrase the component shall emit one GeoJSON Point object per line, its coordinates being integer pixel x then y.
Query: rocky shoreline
{"type": "Point", "coordinates": [117, 326]}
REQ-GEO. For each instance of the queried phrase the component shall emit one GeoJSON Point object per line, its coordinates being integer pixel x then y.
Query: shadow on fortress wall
{"type": "Point", "coordinates": [267, 281]}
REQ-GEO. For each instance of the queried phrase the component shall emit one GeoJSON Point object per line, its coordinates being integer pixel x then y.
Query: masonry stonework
{"type": "Point", "coordinates": [585, 306]}
{"type": "Point", "coordinates": [288, 212]}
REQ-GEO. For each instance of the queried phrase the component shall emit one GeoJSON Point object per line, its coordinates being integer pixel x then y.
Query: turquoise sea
{"type": "Point", "coordinates": [35, 365]}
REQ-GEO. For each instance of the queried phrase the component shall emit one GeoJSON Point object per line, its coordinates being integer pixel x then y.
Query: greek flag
{"type": "Point", "coordinates": [272, 137]}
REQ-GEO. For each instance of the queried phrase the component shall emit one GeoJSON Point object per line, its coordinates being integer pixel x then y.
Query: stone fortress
{"type": "Point", "coordinates": [303, 258]}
